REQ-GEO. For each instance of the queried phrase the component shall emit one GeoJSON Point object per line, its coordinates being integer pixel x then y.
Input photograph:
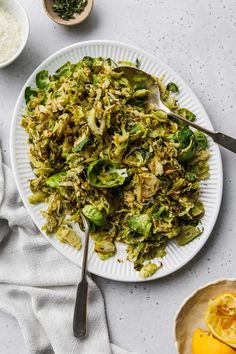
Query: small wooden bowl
{"type": "Point", "coordinates": [78, 18]}
{"type": "Point", "coordinates": [191, 313]}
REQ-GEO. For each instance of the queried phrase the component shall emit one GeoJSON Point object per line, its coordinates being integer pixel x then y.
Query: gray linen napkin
{"type": "Point", "coordinates": [38, 285]}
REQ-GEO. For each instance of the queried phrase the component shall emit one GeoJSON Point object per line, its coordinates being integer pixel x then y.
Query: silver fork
{"type": "Point", "coordinates": [80, 311]}
{"type": "Point", "coordinates": [132, 74]}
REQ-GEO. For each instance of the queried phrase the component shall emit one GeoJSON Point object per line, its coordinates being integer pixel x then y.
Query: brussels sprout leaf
{"type": "Point", "coordinates": [54, 180]}
{"type": "Point", "coordinates": [29, 92]}
{"type": "Point", "coordinates": [94, 215]}
{"type": "Point", "coordinates": [105, 174]}
{"type": "Point", "coordinates": [42, 80]}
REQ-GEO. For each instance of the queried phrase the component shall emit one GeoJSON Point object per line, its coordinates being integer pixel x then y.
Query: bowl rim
{"type": "Point", "coordinates": [69, 23]}
{"type": "Point", "coordinates": [188, 298]}
{"type": "Point", "coordinates": [23, 39]}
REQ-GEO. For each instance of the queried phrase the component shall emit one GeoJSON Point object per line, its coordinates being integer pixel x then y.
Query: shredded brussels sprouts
{"type": "Point", "coordinates": [99, 147]}
{"type": "Point", "coordinates": [148, 270]}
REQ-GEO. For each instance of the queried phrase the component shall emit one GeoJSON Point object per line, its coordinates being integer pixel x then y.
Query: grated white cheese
{"type": "Point", "coordinates": [10, 35]}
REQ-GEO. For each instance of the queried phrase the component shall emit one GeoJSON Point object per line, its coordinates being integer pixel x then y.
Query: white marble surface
{"type": "Point", "coordinates": [197, 38]}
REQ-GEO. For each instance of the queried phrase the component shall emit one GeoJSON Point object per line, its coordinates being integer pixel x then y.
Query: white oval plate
{"type": "Point", "coordinates": [211, 190]}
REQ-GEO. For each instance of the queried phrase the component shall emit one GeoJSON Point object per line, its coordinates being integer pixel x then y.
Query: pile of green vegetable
{"type": "Point", "coordinates": [99, 147]}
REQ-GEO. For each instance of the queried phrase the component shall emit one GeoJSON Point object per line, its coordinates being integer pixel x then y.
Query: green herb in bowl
{"type": "Point", "coordinates": [67, 9]}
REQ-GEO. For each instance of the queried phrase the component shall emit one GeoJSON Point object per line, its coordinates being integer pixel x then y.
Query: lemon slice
{"type": "Point", "coordinates": [220, 318]}
{"type": "Point", "coordinates": [202, 343]}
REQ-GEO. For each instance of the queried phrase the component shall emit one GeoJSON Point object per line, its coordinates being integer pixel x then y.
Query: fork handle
{"type": "Point", "coordinates": [227, 141]}
{"type": "Point", "coordinates": [80, 313]}
{"type": "Point", "coordinates": [222, 139]}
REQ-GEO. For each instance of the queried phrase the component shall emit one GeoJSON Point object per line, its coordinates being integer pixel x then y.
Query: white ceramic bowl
{"type": "Point", "coordinates": [191, 313]}
{"type": "Point", "coordinates": [16, 10]}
